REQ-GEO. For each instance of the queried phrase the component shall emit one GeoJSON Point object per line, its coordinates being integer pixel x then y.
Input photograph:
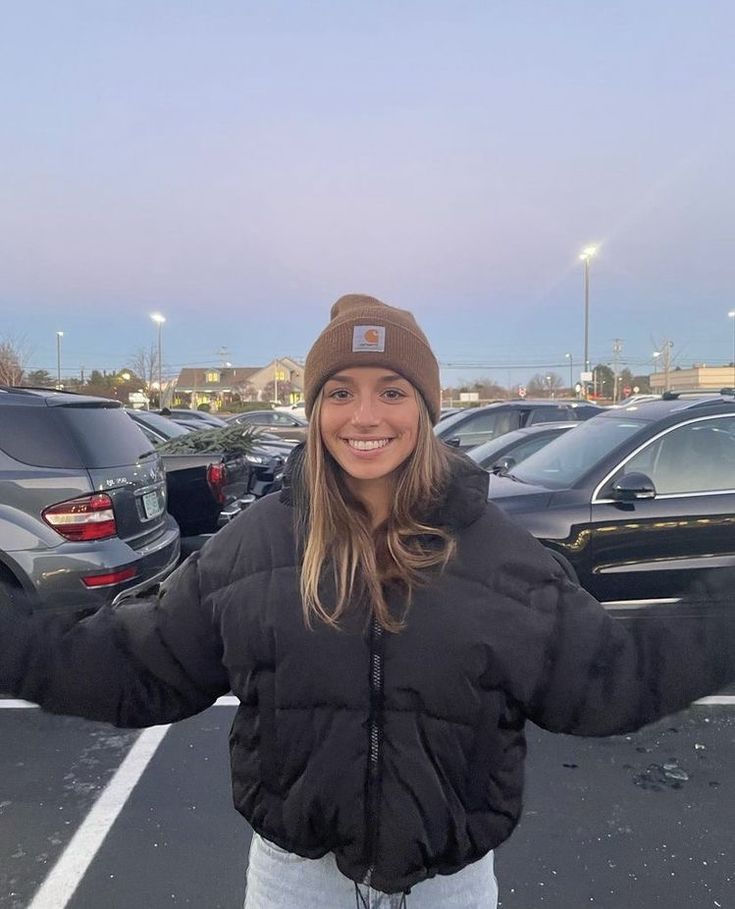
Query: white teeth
{"type": "Point", "coordinates": [367, 444]}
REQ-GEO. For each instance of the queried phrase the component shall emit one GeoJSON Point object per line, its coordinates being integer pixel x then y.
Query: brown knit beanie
{"type": "Point", "coordinates": [365, 332]}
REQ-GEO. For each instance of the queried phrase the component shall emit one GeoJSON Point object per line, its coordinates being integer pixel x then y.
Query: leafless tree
{"type": "Point", "coordinates": [13, 356]}
{"type": "Point", "coordinates": [144, 363]}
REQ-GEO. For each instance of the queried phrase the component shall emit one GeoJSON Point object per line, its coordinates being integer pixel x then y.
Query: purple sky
{"type": "Point", "coordinates": [237, 166]}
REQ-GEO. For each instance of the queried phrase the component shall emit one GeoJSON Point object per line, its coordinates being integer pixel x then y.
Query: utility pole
{"type": "Point", "coordinates": [616, 350]}
{"type": "Point", "coordinates": [666, 351]}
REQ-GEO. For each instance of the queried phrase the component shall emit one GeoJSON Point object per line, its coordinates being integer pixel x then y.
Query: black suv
{"type": "Point", "coordinates": [475, 425]}
{"type": "Point", "coordinates": [83, 516]}
{"type": "Point", "coordinates": [636, 501]}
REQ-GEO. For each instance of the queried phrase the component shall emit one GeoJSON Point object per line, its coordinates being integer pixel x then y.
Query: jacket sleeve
{"type": "Point", "coordinates": [585, 672]}
{"type": "Point", "coordinates": [140, 663]}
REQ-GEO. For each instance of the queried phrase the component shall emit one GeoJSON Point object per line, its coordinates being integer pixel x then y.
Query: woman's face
{"type": "Point", "coordinates": [369, 421]}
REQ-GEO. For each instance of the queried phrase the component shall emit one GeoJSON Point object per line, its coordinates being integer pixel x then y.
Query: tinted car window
{"type": "Point", "coordinates": [551, 415]}
{"type": "Point", "coordinates": [484, 426]}
{"type": "Point", "coordinates": [697, 457]}
{"type": "Point", "coordinates": [37, 436]}
{"type": "Point", "coordinates": [105, 437]}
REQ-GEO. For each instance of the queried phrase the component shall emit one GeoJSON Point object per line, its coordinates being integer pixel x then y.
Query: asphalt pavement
{"type": "Point", "coordinates": [639, 821]}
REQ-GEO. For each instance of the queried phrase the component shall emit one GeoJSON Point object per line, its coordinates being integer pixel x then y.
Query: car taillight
{"type": "Point", "coordinates": [112, 577]}
{"type": "Point", "coordinates": [216, 476]}
{"type": "Point", "coordinates": [86, 518]}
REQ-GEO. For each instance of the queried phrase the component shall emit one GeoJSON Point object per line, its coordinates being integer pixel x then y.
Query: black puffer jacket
{"type": "Point", "coordinates": [402, 754]}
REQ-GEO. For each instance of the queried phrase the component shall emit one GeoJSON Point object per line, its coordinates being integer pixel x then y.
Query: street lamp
{"type": "Point", "coordinates": [732, 316]}
{"type": "Point", "coordinates": [159, 320]}
{"type": "Point", "coordinates": [571, 373]}
{"type": "Point", "coordinates": [585, 256]}
{"type": "Point", "coordinates": [59, 336]}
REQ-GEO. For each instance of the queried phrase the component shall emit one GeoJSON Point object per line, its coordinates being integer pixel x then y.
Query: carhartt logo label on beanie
{"type": "Point", "coordinates": [368, 338]}
{"type": "Point", "coordinates": [363, 331]}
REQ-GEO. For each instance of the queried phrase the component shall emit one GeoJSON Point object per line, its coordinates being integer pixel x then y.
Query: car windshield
{"type": "Point", "coordinates": [561, 463]}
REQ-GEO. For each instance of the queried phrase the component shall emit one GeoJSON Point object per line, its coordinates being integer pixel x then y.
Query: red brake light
{"type": "Point", "coordinates": [112, 577]}
{"type": "Point", "coordinates": [86, 518]}
{"type": "Point", "coordinates": [216, 476]}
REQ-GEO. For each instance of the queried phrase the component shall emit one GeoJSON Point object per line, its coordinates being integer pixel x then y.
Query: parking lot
{"type": "Point", "coordinates": [92, 816]}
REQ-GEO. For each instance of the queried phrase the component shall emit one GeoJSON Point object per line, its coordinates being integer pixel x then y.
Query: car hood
{"type": "Point", "coordinates": [512, 495]}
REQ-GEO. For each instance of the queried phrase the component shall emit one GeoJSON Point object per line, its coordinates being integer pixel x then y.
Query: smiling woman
{"type": "Point", "coordinates": [369, 422]}
{"type": "Point", "coordinates": [388, 632]}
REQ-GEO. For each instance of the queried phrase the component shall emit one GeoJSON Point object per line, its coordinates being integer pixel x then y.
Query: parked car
{"type": "Point", "coordinates": [298, 409]}
{"type": "Point", "coordinates": [635, 502]}
{"type": "Point", "coordinates": [286, 426]}
{"type": "Point", "coordinates": [207, 489]}
{"type": "Point", "coordinates": [200, 418]}
{"type": "Point", "coordinates": [83, 517]}
{"type": "Point", "coordinates": [503, 453]}
{"type": "Point", "coordinates": [472, 426]}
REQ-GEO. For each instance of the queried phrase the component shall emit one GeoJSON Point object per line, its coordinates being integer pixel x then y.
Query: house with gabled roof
{"type": "Point", "coordinates": [221, 386]}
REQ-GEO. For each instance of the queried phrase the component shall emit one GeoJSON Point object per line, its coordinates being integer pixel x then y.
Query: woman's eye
{"type": "Point", "coordinates": [339, 394]}
{"type": "Point", "coordinates": [393, 394]}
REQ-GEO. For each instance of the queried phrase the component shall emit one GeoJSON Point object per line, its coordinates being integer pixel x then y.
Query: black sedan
{"type": "Point", "coordinates": [502, 454]}
{"type": "Point", "coordinates": [475, 425]}
{"type": "Point", "coordinates": [637, 501]}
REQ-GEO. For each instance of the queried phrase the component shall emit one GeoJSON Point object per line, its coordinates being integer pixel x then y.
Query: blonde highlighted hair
{"type": "Point", "coordinates": [337, 537]}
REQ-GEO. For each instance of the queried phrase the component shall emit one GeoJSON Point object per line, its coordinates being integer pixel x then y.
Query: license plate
{"type": "Point", "coordinates": [152, 505]}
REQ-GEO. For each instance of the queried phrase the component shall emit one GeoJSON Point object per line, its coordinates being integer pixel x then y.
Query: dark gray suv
{"type": "Point", "coordinates": [83, 517]}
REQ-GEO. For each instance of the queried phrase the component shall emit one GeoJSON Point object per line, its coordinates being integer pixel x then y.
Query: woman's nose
{"type": "Point", "coordinates": [365, 412]}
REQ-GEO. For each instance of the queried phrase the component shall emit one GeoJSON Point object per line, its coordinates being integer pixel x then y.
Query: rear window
{"type": "Point", "coordinates": [36, 436]}
{"type": "Point", "coordinates": [70, 437]}
{"type": "Point", "coordinates": [105, 437]}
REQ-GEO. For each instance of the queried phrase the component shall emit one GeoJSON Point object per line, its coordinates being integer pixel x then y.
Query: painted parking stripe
{"type": "Point", "coordinates": [63, 879]}
{"type": "Point", "coordinates": [16, 704]}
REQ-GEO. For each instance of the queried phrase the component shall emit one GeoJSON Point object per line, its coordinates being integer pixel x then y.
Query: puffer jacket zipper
{"type": "Point", "coordinates": [375, 728]}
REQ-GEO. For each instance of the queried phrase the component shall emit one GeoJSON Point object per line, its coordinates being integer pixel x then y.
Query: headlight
{"type": "Point", "coordinates": [254, 459]}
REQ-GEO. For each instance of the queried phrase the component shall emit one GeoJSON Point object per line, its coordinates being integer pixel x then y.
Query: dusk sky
{"type": "Point", "coordinates": [237, 166]}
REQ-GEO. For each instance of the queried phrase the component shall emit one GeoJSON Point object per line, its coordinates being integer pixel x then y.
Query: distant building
{"type": "Point", "coordinates": [221, 386]}
{"type": "Point", "coordinates": [696, 378]}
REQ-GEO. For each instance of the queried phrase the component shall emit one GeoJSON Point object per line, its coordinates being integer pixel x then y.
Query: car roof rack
{"type": "Point", "coordinates": [711, 392]}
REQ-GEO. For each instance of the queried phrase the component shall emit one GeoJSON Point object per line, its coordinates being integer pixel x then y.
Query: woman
{"type": "Point", "coordinates": [387, 632]}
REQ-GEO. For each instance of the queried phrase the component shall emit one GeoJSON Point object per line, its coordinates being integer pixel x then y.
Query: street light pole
{"type": "Point", "coordinates": [59, 336]}
{"type": "Point", "coordinates": [159, 320]}
{"type": "Point", "coordinates": [571, 373]}
{"type": "Point", "coordinates": [585, 256]}
{"type": "Point", "coordinates": [732, 316]}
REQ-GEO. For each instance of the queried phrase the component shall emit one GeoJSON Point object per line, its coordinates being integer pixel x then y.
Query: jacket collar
{"type": "Point", "coordinates": [461, 504]}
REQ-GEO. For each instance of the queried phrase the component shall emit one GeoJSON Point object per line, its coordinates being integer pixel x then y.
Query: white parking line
{"type": "Point", "coordinates": [63, 879]}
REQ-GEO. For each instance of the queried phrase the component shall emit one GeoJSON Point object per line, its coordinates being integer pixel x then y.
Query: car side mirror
{"type": "Point", "coordinates": [633, 486]}
{"type": "Point", "coordinates": [454, 441]}
{"type": "Point", "coordinates": [503, 465]}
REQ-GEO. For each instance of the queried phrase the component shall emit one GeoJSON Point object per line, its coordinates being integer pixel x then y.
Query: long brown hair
{"type": "Point", "coordinates": [336, 531]}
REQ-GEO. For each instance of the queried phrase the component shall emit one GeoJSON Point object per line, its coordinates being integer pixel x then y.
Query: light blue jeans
{"type": "Point", "coordinates": [281, 880]}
